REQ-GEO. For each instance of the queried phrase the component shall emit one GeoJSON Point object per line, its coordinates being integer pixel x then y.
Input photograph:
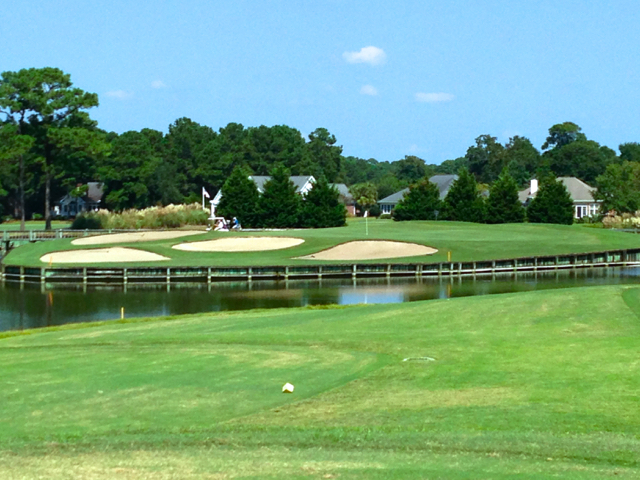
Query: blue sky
{"type": "Point", "coordinates": [389, 79]}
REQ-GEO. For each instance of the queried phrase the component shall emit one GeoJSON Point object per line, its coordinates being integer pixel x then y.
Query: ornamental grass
{"type": "Point", "coordinates": [171, 216]}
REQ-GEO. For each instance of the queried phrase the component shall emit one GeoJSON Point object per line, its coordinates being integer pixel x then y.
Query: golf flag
{"type": "Point", "coordinates": [366, 213]}
{"type": "Point", "coordinates": [205, 194]}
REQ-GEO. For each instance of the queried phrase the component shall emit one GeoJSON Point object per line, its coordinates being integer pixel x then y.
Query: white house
{"type": "Point", "coordinates": [443, 182]}
{"type": "Point", "coordinates": [584, 205]}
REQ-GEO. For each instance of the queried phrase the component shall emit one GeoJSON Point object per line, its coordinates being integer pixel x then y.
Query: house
{"type": "Point", "coordinates": [70, 206]}
{"type": "Point", "coordinates": [303, 184]}
{"type": "Point", "coordinates": [345, 198]}
{"type": "Point", "coordinates": [443, 182]}
{"type": "Point", "coordinates": [584, 205]}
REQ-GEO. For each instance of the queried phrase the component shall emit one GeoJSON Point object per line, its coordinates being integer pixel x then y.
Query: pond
{"type": "Point", "coordinates": [31, 306]}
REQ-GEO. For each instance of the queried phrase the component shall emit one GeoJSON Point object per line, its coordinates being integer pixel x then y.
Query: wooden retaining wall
{"type": "Point", "coordinates": [177, 275]}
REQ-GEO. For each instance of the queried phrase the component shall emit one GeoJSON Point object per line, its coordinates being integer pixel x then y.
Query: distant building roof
{"type": "Point", "coordinates": [95, 191]}
{"type": "Point", "coordinates": [343, 190]}
{"type": "Point", "coordinates": [300, 181]}
{"type": "Point", "coordinates": [395, 197]}
{"type": "Point", "coordinates": [303, 184]}
{"type": "Point", "coordinates": [443, 182]}
{"type": "Point", "coordinates": [578, 190]}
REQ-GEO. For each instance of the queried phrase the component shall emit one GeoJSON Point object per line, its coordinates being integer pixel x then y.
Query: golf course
{"type": "Point", "coordinates": [535, 385]}
{"type": "Point", "coordinates": [419, 241]}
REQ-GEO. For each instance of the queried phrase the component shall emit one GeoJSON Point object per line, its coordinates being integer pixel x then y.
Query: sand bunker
{"type": "Point", "coordinates": [102, 255]}
{"type": "Point", "coordinates": [134, 237]}
{"type": "Point", "coordinates": [240, 244]}
{"type": "Point", "coordinates": [371, 250]}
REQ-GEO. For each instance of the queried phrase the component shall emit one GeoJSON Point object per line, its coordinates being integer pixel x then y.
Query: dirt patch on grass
{"type": "Point", "coordinates": [240, 244]}
{"type": "Point", "coordinates": [134, 237]}
{"type": "Point", "coordinates": [371, 250]}
{"type": "Point", "coordinates": [102, 255]}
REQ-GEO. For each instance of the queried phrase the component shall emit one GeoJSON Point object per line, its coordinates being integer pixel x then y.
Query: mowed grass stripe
{"type": "Point", "coordinates": [517, 379]}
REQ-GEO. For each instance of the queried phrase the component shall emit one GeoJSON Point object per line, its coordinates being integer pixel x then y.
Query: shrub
{"type": "Point", "coordinates": [280, 205]}
{"type": "Point", "coordinates": [321, 208]}
{"type": "Point", "coordinates": [626, 220]}
{"type": "Point", "coordinates": [375, 211]}
{"type": "Point", "coordinates": [463, 203]}
{"type": "Point", "coordinates": [36, 216]}
{"type": "Point", "coordinates": [239, 198]}
{"type": "Point", "coordinates": [552, 204]}
{"type": "Point", "coordinates": [87, 221]}
{"type": "Point", "coordinates": [503, 204]}
{"type": "Point", "coordinates": [420, 203]}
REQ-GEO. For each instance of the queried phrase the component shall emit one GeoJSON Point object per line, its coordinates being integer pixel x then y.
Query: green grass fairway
{"type": "Point", "coordinates": [33, 225]}
{"type": "Point", "coordinates": [466, 241]}
{"type": "Point", "coordinates": [531, 385]}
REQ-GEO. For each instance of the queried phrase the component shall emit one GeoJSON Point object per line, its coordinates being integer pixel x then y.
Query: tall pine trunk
{"type": "Point", "coordinates": [48, 171]}
{"type": "Point", "coordinates": [22, 214]}
{"type": "Point", "coordinates": [21, 180]}
{"type": "Point", "coordinates": [47, 202]}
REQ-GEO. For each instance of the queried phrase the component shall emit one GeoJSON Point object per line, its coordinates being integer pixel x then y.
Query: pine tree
{"type": "Point", "coordinates": [240, 198]}
{"type": "Point", "coordinates": [321, 207]}
{"type": "Point", "coordinates": [279, 205]}
{"type": "Point", "coordinates": [463, 203]}
{"type": "Point", "coordinates": [552, 204]}
{"type": "Point", "coordinates": [420, 203]}
{"type": "Point", "coordinates": [503, 205]}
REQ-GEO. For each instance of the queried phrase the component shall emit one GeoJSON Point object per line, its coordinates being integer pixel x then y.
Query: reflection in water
{"type": "Point", "coordinates": [32, 306]}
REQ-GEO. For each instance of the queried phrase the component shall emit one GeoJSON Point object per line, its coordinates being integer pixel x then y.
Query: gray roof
{"type": "Point", "coordinates": [578, 190]}
{"type": "Point", "coordinates": [95, 191]}
{"type": "Point", "coordinates": [394, 198]}
{"type": "Point", "coordinates": [443, 182]}
{"type": "Point", "coordinates": [298, 180]}
{"type": "Point", "coordinates": [343, 190]}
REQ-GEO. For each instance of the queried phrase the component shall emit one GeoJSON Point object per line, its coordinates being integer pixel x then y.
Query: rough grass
{"type": "Point", "coordinates": [537, 385]}
{"type": "Point", "coordinates": [465, 241]}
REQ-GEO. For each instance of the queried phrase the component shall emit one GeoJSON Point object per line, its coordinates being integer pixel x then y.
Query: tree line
{"type": "Point", "coordinates": [280, 205]}
{"type": "Point", "coordinates": [49, 145]}
{"type": "Point", "coordinates": [466, 201]}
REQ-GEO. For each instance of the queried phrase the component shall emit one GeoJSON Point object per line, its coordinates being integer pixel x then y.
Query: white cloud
{"type": "Point", "coordinates": [370, 55]}
{"type": "Point", "coordinates": [119, 94]}
{"type": "Point", "coordinates": [158, 84]}
{"type": "Point", "coordinates": [369, 90]}
{"type": "Point", "coordinates": [434, 97]}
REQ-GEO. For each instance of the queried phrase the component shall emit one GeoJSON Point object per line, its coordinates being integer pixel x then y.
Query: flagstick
{"type": "Point", "coordinates": [366, 223]}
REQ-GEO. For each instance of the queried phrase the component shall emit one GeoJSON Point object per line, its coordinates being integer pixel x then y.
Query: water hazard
{"type": "Point", "coordinates": [30, 306]}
